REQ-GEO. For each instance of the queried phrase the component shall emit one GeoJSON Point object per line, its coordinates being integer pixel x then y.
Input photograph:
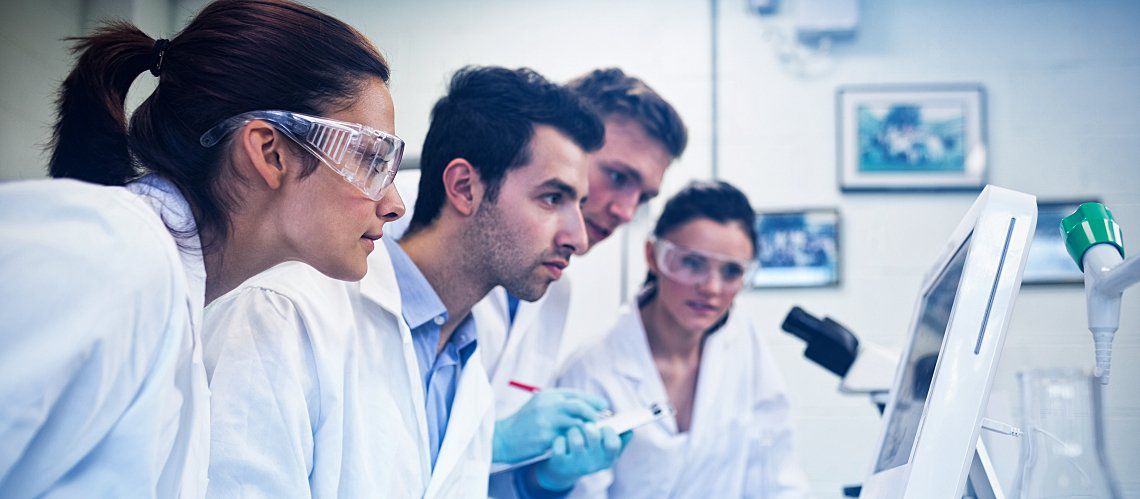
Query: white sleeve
{"type": "Point", "coordinates": [87, 299]}
{"type": "Point", "coordinates": [264, 396]}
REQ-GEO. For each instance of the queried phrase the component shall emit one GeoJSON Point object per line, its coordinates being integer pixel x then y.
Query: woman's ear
{"type": "Point", "coordinates": [262, 153]}
{"type": "Point", "coordinates": [650, 257]}
{"type": "Point", "coordinates": [463, 186]}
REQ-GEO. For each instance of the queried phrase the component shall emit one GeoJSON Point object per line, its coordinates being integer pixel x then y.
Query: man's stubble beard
{"type": "Point", "coordinates": [496, 246]}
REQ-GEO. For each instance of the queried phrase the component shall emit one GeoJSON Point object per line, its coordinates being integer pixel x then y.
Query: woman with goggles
{"type": "Point", "coordinates": [217, 176]}
{"type": "Point", "coordinates": [682, 345]}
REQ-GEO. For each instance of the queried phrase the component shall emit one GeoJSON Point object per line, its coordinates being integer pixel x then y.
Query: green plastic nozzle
{"type": "Point", "coordinates": [1090, 225]}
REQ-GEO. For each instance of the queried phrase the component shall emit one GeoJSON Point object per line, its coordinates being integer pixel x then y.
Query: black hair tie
{"type": "Point", "coordinates": [157, 54]}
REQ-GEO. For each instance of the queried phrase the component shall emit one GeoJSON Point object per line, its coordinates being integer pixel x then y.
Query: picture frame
{"type": "Point", "coordinates": [797, 249]}
{"type": "Point", "coordinates": [1048, 261]}
{"type": "Point", "coordinates": [911, 137]}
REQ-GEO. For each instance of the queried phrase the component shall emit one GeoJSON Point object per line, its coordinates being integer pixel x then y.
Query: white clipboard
{"type": "Point", "coordinates": [620, 423]}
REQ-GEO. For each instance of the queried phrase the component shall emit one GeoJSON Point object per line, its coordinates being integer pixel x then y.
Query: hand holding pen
{"type": "Point", "coordinates": [583, 449]}
{"type": "Point", "coordinates": [549, 414]}
{"type": "Point", "coordinates": [604, 413]}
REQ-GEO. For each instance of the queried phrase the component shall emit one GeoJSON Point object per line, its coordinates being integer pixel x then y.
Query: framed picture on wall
{"type": "Point", "coordinates": [796, 249]}
{"type": "Point", "coordinates": [929, 137]}
{"type": "Point", "coordinates": [1048, 261]}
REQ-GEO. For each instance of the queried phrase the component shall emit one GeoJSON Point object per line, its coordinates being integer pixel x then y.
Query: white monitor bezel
{"type": "Point", "coordinates": [1000, 227]}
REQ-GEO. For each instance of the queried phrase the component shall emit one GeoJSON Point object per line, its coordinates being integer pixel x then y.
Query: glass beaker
{"type": "Point", "coordinates": [1062, 444]}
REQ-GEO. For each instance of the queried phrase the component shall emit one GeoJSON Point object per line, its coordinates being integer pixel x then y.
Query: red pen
{"type": "Point", "coordinates": [524, 386]}
{"type": "Point", "coordinates": [534, 389]}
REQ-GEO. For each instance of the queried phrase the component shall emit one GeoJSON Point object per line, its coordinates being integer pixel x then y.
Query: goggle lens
{"type": "Point", "coordinates": [692, 267]}
{"type": "Point", "coordinates": [364, 156]}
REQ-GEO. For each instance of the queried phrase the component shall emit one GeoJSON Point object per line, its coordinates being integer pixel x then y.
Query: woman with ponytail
{"type": "Point", "coordinates": [681, 344]}
{"type": "Point", "coordinates": [269, 138]}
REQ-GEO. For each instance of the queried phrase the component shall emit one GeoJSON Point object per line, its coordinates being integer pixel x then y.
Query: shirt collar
{"type": "Point", "coordinates": [420, 303]}
{"type": "Point", "coordinates": [464, 338]}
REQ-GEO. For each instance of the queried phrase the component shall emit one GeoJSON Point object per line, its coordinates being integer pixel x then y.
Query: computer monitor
{"type": "Point", "coordinates": [957, 331]}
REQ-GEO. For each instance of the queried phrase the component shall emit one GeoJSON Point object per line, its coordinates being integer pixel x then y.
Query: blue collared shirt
{"type": "Point", "coordinates": [425, 313]}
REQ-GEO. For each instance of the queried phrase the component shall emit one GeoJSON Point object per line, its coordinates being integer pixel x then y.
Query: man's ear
{"type": "Point", "coordinates": [463, 186]}
{"type": "Point", "coordinates": [264, 153]}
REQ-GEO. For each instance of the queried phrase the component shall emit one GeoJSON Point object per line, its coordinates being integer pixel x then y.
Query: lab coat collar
{"type": "Point", "coordinates": [528, 311]}
{"type": "Point", "coordinates": [379, 283]}
{"type": "Point", "coordinates": [711, 374]}
{"type": "Point", "coordinates": [174, 211]}
{"type": "Point", "coordinates": [502, 342]}
{"type": "Point", "coordinates": [473, 403]}
{"type": "Point", "coordinates": [634, 361]}
{"type": "Point", "coordinates": [493, 324]}
{"type": "Point", "coordinates": [630, 343]}
{"type": "Point", "coordinates": [379, 286]}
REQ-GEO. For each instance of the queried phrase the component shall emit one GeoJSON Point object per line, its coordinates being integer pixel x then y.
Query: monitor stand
{"type": "Point", "coordinates": [981, 481]}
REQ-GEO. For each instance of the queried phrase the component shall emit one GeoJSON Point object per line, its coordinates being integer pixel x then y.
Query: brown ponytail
{"type": "Point", "coordinates": [91, 144]}
{"type": "Point", "coordinates": [235, 56]}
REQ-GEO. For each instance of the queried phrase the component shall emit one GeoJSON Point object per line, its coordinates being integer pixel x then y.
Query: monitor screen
{"type": "Point", "coordinates": [910, 399]}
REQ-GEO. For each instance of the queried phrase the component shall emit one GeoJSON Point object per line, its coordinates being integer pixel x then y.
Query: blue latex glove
{"type": "Point", "coordinates": [546, 416]}
{"type": "Point", "coordinates": [583, 450]}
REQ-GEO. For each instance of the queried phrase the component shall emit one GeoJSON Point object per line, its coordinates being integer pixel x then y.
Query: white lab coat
{"type": "Point", "coordinates": [102, 389]}
{"type": "Point", "coordinates": [740, 440]}
{"type": "Point", "coordinates": [317, 392]}
{"type": "Point", "coordinates": [526, 350]}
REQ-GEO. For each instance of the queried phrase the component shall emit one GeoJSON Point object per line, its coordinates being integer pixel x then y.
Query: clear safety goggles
{"type": "Point", "coordinates": [695, 267]}
{"type": "Point", "coordinates": [365, 156]}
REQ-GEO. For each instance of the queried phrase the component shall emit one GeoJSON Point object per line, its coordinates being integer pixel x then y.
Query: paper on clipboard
{"type": "Point", "coordinates": [620, 423]}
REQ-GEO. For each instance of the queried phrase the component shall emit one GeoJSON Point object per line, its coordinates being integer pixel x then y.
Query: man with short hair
{"type": "Point", "coordinates": [523, 341]}
{"type": "Point", "coordinates": [376, 389]}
